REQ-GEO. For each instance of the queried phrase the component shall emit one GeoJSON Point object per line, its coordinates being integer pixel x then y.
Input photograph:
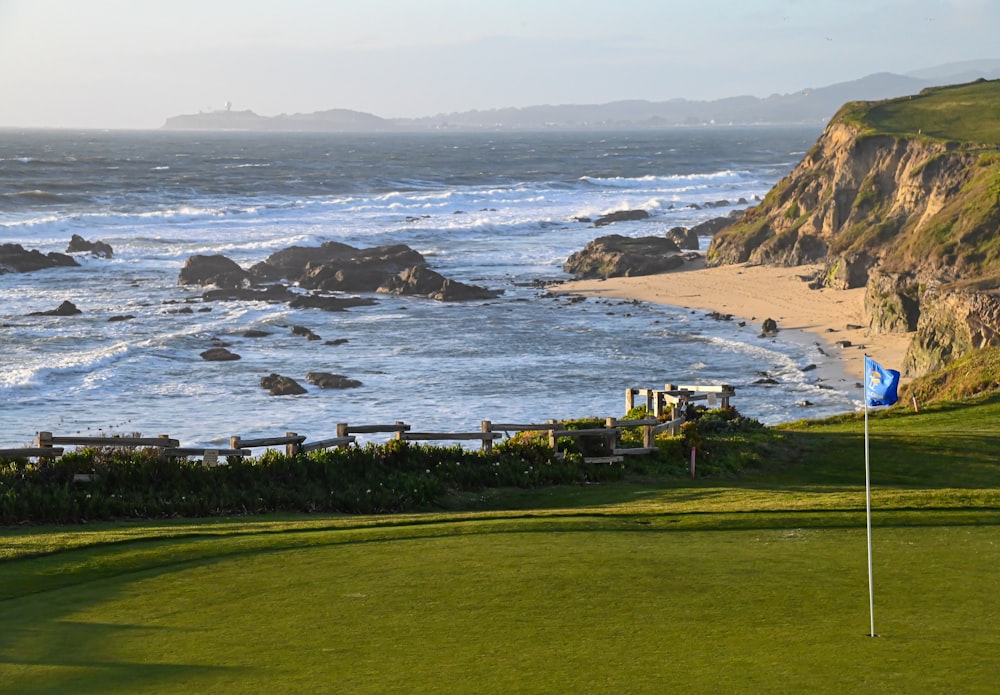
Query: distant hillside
{"type": "Point", "coordinates": [807, 106]}
{"type": "Point", "coordinates": [901, 196]}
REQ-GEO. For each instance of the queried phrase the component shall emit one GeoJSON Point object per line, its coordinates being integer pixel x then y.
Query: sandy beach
{"type": "Point", "coordinates": [755, 293]}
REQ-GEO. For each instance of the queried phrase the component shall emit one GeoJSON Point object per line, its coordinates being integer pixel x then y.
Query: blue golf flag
{"type": "Point", "coordinates": [880, 383]}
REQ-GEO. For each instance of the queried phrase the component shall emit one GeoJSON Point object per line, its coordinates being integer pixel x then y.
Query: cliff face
{"type": "Point", "coordinates": [914, 219]}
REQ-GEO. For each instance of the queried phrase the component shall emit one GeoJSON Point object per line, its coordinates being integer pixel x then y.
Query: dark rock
{"type": "Point", "coordinates": [621, 216]}
{"type": "Point", "coordinates": [685, 238]}
{"type": "Point", "coordinates": [219, 354]}
{"type": "Point", "coordinates": [766, 380]}
{"type": "Point", "coordinates": [15, 259]}
{"type": "Point", "coordinates": [619, 256]}
{"type": "Point", "coordinates": [269, 293]}
{"type": "Point", "coordinates": [337, 341]}
{"type": "Point", "coordinates": [719, 316]}
{"type": "Point", "coordinates": [843, 343]}
{"type": "Point", "coordinates": [253, 333]}
{"type": "Point", "coordinates": [326, 380]}
{"type": "Point", "coordinates": [326, 303]}
{"type": "Point", "coordinates": [809, 368]}
{"type": "Point", "coordinates": [423, 282]}
{"type": "Point", "coordinates": [77, 244]}
{"type": "Point", "coordinates": [305, 332]}
{"type": "Point", "coordinates": [67, 308]}
{"type": "Point", "coordinates": [278, 385]}
{"type": "Point", "coordinates": [769, 328]}
{"type": "Point", "coordinates": [121, 317]}
{"type": "Point", "coordinates": [338, 267]}
{"type": "Point", "coordinates": [215, 270]}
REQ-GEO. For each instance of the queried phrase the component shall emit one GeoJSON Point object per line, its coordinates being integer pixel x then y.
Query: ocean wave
{"type": "Point", "coordinates": [84, 362]}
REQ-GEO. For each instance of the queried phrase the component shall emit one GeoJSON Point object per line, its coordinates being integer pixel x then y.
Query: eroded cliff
{"type": "Point", "coordinates": [887, 201]}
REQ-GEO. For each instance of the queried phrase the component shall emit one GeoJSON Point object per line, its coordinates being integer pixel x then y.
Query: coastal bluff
{"type": "Point", "coordinates": [901, 197]}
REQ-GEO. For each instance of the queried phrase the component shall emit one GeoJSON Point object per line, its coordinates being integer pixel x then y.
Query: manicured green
{"type": "Point", "coordinates": [647, 585]}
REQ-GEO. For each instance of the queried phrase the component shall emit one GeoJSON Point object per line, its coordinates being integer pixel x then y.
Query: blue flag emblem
{"type": "Point", "coordinates": [880, 383]}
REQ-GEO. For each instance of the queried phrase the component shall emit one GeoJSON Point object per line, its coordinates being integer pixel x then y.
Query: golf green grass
{"type": "Point", "coordinates": [752, 586]}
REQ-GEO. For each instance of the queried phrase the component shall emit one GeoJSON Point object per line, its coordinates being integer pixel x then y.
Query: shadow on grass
{"type": "Point", "coordinates": [46, 653]}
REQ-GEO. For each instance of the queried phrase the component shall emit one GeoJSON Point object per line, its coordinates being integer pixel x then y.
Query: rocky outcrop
{"type": "Point", "coordinates": [853, 193]}
{"type": "Point", "coordinates": [215, 270]}
{"type": "Point", "coordinates": [912, 218]}
{"type": "Point", "coordinates": [278, 385]}
{"type": "Point", "coordinates": [100, 249]}
{"type": "Point", "coordinates": [219, 354]}
{"type": "Point", "coordinates": [619, 256]}
{"type": "Point", "coordinates": [685, 238]}
{"type": "Point", "coordinates": [14, 258]}
{"type": "Point", "coordinates": [331, 267]}
{"type": "Point", "coordinates": [892, 302]}
{"type": "Point", "coordinates": [337, 267]}
{"type": "Point", "coordinates": [67, 308]}
{"type": "Point", "coordinates": [421, 281]}
{"type": "Point", "coordinates": [326, 380]}
{"type": "Point", "coordinates": [952, 323]}
{"type": "Point", "coordinates": [621, 216]}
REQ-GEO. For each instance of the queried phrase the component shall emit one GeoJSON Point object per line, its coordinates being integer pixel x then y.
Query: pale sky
{"type": "Point", "coordinates": [133, 64]}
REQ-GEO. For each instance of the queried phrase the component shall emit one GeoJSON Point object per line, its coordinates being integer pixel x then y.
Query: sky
{"type": "Point", "coordinates": [125, 64]}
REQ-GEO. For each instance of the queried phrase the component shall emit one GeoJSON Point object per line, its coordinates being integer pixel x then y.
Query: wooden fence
{"type": "Point", "coordinates": [675, 398]}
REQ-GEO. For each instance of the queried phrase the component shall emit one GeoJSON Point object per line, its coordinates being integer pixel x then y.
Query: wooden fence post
{"type": "Point", "coordinates": [292, 449]}
{"type": "Point", "coordinates": [44, 440]}
{"type": "Point", "coordinates": [487, 429]}
{"type": "Point", "coordinates": [341, 429]}
{"type": "Point", "coordinates": [629, 399]}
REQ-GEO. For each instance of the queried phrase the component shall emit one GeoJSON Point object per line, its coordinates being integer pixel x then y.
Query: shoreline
{"type": "Point", "coordinates": [822, 318]}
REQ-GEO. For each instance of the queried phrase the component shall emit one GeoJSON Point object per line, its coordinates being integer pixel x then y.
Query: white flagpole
{"type": "Point", "coordinates": [868, 513]}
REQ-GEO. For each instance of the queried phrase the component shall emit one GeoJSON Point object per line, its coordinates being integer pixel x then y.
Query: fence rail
{"type": "Point", "coordinates": [678, 399]}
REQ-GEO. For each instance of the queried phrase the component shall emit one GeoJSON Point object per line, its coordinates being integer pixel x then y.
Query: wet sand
{"type": "Point", "coordinates": [754, 293]}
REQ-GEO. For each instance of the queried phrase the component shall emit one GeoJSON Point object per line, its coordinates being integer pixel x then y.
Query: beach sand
{"type": "Point", "coordinates": [755, 293]}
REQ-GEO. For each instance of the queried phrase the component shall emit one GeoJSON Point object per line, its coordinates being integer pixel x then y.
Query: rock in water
{"type": "Point", "coordinates": [278, 385]}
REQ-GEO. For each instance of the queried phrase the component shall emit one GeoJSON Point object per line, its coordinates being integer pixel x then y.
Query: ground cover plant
{"type": "Point", "coordinates": [754, 583]}
{"type": "Point", "coordinates": [92, 484]}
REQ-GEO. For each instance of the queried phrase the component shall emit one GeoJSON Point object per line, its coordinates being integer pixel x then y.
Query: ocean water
{"type": "Point", "coordinates": [493, 209]}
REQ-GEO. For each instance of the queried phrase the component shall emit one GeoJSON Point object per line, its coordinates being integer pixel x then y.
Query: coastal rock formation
{"type": "Point", "coordinates": [685, 238]}
{"type": "Point", "coordinates": [421, 281]}
{"type": "Point", "coordinates": [100, 249]}
{"type": "Point", "coordinates": [216, 270]}
{"type": "Point", "coordinates": [619, 256]}
{"type": "Point", "coordinates": [334, 266]}
{"type": "Point", "coordinates": [912, 215]}
{"type": "Point", "coordinates": [621, 216]}
{"type": "Point", "coordinates": [326, 380]}
{"type": "Point", "coordinates": [953, 322]}
{"type": "Point", "coordinates": [219, 354]}
{"type": "Point", "coordinates": [67, 308]}
{"type": "Point", "coordinates": [14, 258]}
{"type": "Point", "coordinates": [337, 267]}
{"type": "Point", "coordinates": [278, 385]}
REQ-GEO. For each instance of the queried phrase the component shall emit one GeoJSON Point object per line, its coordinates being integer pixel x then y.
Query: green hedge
{"type": "Point", "coordinates": [375, 478]}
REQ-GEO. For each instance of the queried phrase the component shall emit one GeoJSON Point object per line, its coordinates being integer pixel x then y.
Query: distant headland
{"type": "Point", "coordinates": [805, 107]}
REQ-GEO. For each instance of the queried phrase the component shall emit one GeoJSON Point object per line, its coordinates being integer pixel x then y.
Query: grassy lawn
{"type": "Point", "coordinates": [742, 586]}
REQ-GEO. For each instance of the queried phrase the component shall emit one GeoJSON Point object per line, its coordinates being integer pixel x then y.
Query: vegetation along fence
{"type": "Point", "coordinates": [673, 402]}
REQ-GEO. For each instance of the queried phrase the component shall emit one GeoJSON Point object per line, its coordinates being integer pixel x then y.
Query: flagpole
{"type": "Point", "coordinates": [868, 512]}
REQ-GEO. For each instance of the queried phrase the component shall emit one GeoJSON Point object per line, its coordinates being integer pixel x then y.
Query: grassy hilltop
{"type": "Point", "coordinates": [968, 113]}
